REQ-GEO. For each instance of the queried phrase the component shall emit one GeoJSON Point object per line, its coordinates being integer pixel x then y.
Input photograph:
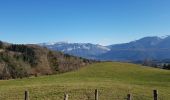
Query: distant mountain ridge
{"type": "Point", "coordinates": [145, 48]}
{"type": "Point", "coordinates": [86, 50]}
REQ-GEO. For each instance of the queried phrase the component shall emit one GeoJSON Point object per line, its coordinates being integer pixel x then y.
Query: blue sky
{"type": "Point", "coordinates": [95, 21]}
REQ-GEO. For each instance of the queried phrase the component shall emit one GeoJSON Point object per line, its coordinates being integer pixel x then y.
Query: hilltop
{"type": "Point", "coordinates": [17, 61]}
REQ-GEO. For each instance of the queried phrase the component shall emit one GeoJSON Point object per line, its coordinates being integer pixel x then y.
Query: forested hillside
{"type": "Point", "coordinates": [18, 61]}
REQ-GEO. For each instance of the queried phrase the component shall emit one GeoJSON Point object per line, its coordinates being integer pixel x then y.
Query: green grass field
{"type": "Point", "coordinates": [113, 79]}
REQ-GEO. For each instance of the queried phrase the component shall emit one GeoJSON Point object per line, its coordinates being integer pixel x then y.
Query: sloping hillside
{"type": "Point", "coordinates": [124, 72]}
{"type": "Point", "coordinates": [114, 80]}
{"type": "Point", "coordinates": [17, 61]}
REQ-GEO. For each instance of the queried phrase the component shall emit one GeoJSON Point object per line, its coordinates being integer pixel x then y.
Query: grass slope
{"type": "Point", "coordinates": [114, 81]}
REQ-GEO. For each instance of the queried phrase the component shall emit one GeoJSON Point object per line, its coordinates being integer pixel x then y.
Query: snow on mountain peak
{"type": "Point", "coordinates": [104, 48]}
{"type": "Point", "coordinates": [165, 36]}
{"type": "Point", "coordinates": [53, 43]}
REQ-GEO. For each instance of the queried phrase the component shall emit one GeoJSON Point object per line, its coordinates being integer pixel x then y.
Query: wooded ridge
{"type": "Point", "coordinates": [18, 61]}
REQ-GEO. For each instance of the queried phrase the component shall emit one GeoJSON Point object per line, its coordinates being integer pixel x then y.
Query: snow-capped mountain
{"type": "Point", "coordinates": [156, 48]}
{"type": "Point", "coordinates": [86, 50]}
{"type": "Point", "coordinates": [144, 48]}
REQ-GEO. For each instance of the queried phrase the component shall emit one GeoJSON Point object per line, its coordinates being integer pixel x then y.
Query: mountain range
{"type": "Point", "coordinates": [86, 50]}
{"type": "Point", "coordinates": [157, 48]}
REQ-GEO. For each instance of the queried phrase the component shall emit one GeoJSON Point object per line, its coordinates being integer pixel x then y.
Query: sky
{"type": "Point", "coordinates": [102, 22]}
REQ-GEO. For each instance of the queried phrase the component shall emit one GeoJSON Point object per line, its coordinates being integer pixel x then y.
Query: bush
{"type": "Point", "coordinates": [5, 74]}
{"type": "Point", "coordinates": [166, 66]}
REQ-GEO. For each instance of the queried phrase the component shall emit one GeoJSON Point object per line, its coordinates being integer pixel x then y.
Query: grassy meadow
{"type": "Point", "coordinates": [114, 81]}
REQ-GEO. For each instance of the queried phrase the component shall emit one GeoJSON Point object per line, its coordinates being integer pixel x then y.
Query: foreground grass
{"type": "Point", "coordinates": [114, 81]}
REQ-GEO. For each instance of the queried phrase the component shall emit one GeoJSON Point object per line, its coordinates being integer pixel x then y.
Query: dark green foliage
{"type": "Point", "coordinates": [166, 66]}
{"type": "Point", "coordinates": [4, 57]}
{"type": "Point", "coordinates": [53, 61]}
{"type": "Point", "coordinates": [1, 44]}
{"type": "Point", "coordinates": [20, 48]}
{"type": "Point", "coordinates": [28, 54]}
{"type": "Point", "coordinates": [67, 55]}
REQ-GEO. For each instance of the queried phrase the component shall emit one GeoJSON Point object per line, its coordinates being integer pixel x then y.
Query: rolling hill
{"type": "Point", "coordinates": [113, 79]}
